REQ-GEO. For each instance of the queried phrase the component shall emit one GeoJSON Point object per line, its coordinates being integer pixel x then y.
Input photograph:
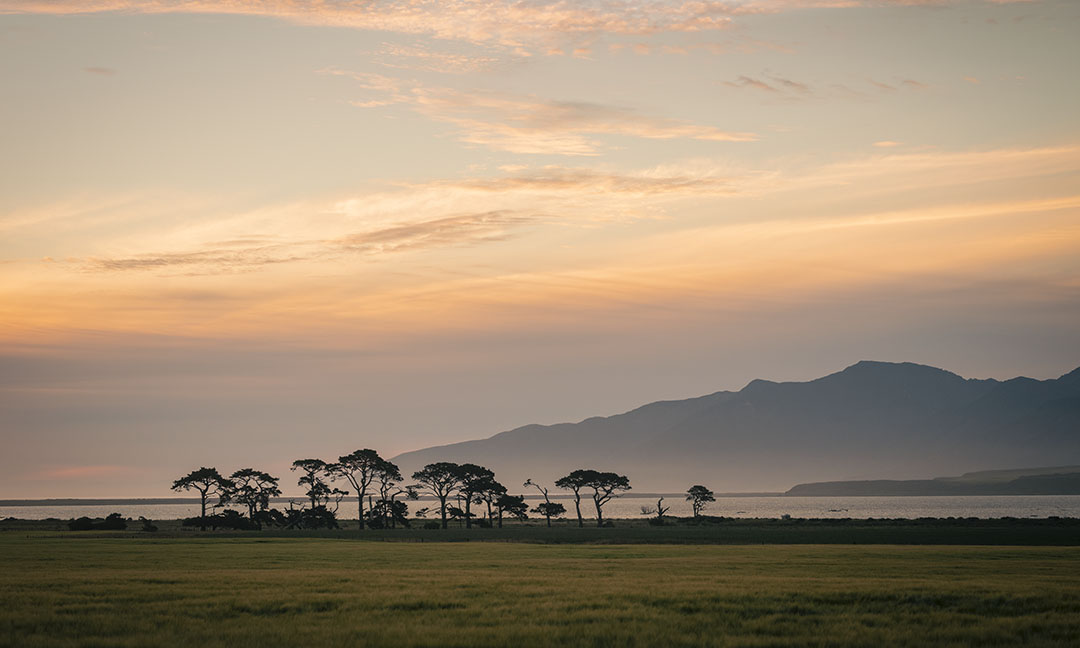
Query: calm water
{"type": "Point", "coordinates": [1020, 506]}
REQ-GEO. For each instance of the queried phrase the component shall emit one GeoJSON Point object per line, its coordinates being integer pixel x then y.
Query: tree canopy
{"type": "Point", "coordinates": [359, 469]}
{"type": "Point", "coordinates": [440, 479]}
{"type": "Point", "coordinates": [699, 497]}
{"type": "Point", "coordinates": [209, 482]}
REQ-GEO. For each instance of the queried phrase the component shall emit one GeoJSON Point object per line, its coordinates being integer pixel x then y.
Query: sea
{"type": "Point", "coordinates": [764, 506]}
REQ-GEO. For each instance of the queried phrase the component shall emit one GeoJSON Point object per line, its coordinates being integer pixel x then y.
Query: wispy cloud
{"type": "Point", "coordinates": [423, 58]}
{"type": "Point", "coordinates": [569, 179]}
{"type": "Point", "coordinates": [784, 88]}
{"type": "Point", "coordinates": [528, 124]}
{"type": "Point", "coordinates": [503, 22]}
{"type": "Point", "coordinates": [248, 254]}
{"type": "Point", "coordinates": [523, 25]}
{"type": "Point", "coordinates": [381, 263]}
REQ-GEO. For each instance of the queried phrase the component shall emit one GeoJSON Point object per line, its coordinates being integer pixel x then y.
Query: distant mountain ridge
{"type": "Point", "coordinates": [889, 420]}
{"type": "Point", "coordinates": [1059, 480]}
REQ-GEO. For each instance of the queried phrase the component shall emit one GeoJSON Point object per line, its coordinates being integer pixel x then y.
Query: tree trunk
{"type": "Point", "coordinates": [468, 512]}
{"type": "Point", "coordinates": [577, 506]}
{"type": "Point", "coordinates": [360, 505]}
{"type": "Point", "coordinates": [442, 510]}
{"type": "Point", "coordinates": [599, 513]}
{"type": "Point", "coordinates": [202, 517]}
{"type": "Point", "coordinates": [548, 516]}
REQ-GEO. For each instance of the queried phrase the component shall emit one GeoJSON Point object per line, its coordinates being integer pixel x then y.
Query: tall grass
{"type": "Point", "coordinates": [99, 591]}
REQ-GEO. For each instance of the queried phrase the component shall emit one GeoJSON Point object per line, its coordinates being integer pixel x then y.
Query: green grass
{"type": "Point", "coordinates": [221, 591]}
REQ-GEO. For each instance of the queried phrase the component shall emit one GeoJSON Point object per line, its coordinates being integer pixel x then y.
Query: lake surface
{"type": "Point", "coordinates": [1019, 506]}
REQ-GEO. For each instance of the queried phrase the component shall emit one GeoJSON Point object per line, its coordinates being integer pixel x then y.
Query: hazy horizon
{"type": "Point", "coordinates": [237, 234]}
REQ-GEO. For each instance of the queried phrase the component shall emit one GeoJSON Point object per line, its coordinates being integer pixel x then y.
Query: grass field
{"type": "Point", "coordinates": [248, 591]}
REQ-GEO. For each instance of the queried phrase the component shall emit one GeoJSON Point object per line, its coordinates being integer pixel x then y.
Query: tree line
{"type": "Point", "coordinates": [381, 494]}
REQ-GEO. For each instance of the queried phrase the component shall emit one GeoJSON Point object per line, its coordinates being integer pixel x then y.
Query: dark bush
{"type": "Point", "coordinates": [432, 524]}
{"type": "Point", "coordinates": [228, 519]}
{"type": "Point", "coordinates": [114, 522]}
{"type": "Point", "coordinates": [319, 517]}
{"type": "Point", "coordinates": [81, 524]}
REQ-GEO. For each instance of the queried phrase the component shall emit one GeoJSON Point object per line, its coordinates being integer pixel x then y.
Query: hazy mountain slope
{"type": "Point", "coordinates": [1059, 480]}
{"type": "Point", "coordinates": [872, 420]}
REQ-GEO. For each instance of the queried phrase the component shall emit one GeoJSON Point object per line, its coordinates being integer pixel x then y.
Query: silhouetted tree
{"type": "Point", "coordinates": [316, 517]}
{"type": "Point", "coordinates": [659, 510]}
{"type": "Point", "coordinates": [358, 468]}
{"type": "Point", "coordinates": [254, 488]}
{"type": "Point", "coordinates": [575, 481]}
{"type": "Point", "coordinates": [472, 480]}
{"type": "Point", "coordinates": [549, 510]}
{"type": "Point", "coordinates": [605, 485]}
{"type": "Point", "coordinates": [699, 497]}
{"type": "Point", "coordinates": [316, 474]}
{"type": "Point", "coordinates": [441, 480]}
{"type": "Point", "coordinates": [489, 495]}
{"type": "Point", "coordinates": [540, 508]}
{"type": "Point", "coordinates": [388, 479]}
{"type": "Point", "coordinates": [457, 513]}
{"type": "Point", "coordinates": [511, 505]}
{"type": "Point", "coordinates": [209, 483]}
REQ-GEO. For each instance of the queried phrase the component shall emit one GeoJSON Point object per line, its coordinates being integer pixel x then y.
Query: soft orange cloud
{"type": "Point", "coordinates": [502, 22]}
{"type": "Point", "coordinates": [524, 266]}
{"type": "Point", "coordinates": [528, 124]}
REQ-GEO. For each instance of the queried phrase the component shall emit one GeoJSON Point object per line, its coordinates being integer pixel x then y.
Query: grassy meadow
{"type": "Point", "coordinates": [96, 590]}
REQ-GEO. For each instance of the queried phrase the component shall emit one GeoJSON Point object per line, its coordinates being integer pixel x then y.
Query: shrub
{"type": "Point", "coordinates": [81, 524]}
{"type": "Point", "coordinates": [114, 522]}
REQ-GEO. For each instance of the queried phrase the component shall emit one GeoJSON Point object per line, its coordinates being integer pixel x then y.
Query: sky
{"type": "Point", "coordinates": [238, 233]}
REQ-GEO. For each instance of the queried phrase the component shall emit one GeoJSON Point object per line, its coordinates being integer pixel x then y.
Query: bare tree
{"type": "Point", "coordinates": [659, 510]}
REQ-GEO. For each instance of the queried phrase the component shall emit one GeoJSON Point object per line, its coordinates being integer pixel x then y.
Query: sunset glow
{"type": "Point", "coordinates": [273, 229]}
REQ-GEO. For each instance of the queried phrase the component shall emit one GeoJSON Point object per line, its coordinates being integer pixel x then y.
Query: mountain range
{"type": "Point", "coordinates": [1058, 480]}
{"type": "Point", "coordinates": [873, 420]}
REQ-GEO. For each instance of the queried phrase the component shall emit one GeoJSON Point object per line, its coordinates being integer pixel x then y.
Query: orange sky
{"type": "Point", "coordinates": [294, 227]}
